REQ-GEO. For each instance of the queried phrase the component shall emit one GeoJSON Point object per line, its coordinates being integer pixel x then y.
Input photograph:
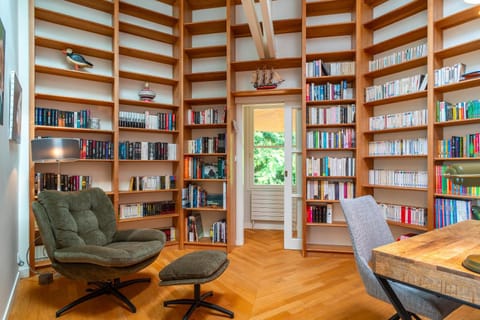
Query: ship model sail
{"type": "Point", "coordinates": [266, 79]}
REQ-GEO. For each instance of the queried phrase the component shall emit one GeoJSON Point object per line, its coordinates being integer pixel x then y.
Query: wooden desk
{"type": "Point", "coordinates": [432, 261]}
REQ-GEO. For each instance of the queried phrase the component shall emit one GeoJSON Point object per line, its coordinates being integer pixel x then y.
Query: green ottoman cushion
{"type": "Point", "coordinates": [194, 268]}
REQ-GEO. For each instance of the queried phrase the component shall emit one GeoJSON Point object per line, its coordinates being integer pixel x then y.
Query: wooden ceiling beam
{"type": "Point", "coordinates": [268, 35]}
{"type": "Point", "coordinates": [254, 25]}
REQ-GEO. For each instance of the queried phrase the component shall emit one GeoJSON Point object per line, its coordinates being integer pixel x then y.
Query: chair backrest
{"type": "Point", "coordinates": [368, 229]}
{"type": "Point", "coordinates": [79, 218]}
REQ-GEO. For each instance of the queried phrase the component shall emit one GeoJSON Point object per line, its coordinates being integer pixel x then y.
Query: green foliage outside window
{"type": "Point", "coordinates": [269, 158]}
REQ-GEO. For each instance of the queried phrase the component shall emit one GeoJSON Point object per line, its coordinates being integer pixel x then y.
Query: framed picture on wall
{"type": "Point", "coordinates": [2, 70]}
{"type": "Point", "coordinates": [15, 108]}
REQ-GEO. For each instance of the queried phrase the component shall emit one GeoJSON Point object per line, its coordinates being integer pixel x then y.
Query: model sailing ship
{"type": "Point", "coordinates": [266, 79]}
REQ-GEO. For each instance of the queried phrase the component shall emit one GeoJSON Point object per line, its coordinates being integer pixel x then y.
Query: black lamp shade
{"type": "Point", "coordinates": [55, 149]}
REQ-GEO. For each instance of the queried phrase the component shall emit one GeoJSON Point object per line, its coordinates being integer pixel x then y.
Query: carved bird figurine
{"type": "Point", "coordinates": [77, 60]}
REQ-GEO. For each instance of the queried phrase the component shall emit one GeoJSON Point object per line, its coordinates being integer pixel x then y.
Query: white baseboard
{"type": "Point", "coordinates": [10, 298]}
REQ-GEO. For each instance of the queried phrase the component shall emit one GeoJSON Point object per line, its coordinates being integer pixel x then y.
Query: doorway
{"type": "Point", "coordinates": [272, 149]}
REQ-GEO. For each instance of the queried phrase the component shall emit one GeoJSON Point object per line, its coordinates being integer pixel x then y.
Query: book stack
{"type": "Point", "coordinates": [214, 115]}
{"type": "Point", "coordinates": [147, 120]}
{"type": "Point", "coordinates": [342, 138]}
{"type": "Point", "coordinates": [319, 68]}
{"type": "Point", "coordinates": [398, 57]}
{"type": "Point", "coordinates": [139, 183]}
{"type": "Point", "coordinates": [143, 150]}
{"type": "Point", "coordinates": [398, 178]}
{"type": "Point", "coordinates": [146, 209]}
{"type": "Point", "coordinates": [329, 91]}
{"type": "Point", "coordinates": [331, 114]}
{"type": "Point", "coordinates": [396, 88]}
{"type": "Point", "coordinates": [197, 168]}
{"type": "Point", "coordinates": [48, 181]}
{"type": "Point", "coordinates": [445, 111]}
{"type": "Point", "coordinates": [446, 186]}
{"type": "Point", "coordinates": [404, 214]}
{"type": "Point", "coordinates": [449, 74]}
{"type": "Point", "coordinates": [62, 118]}
{"type": "Point", "coordinates": [207, 144]}
{"type": "Point", "coordinates": [399, 120]}
{"type": "Point", "coordinates": [398, 147]}
{"type": "Point", "coordinates": [320, 213]}
{"type": "Point", "coordinates": [450, 211]}
{"type": "Point", "coordinates": [460, 146]}
{"type": "Point", "coordinates": [95, 149]}
{"type": "Point", "coordinates": [330, 166]}
{"type": "Point", "coordinates": [330, 190]}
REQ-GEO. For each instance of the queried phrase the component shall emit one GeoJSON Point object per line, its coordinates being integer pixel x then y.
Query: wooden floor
{"type": "Point", "coordinates": [263, 281]}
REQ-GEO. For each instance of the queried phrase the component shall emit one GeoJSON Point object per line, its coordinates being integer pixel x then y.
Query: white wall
{"type": "Point", "coordinates": [14, 157]}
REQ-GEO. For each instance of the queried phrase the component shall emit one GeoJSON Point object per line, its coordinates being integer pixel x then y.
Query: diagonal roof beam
{"type": "Point", "coordinates": [254, 25]}
{"type": "Point", "coordinates": [268, 36]}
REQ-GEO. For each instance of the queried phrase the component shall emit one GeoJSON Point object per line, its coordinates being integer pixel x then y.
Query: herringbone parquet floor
{"type": "Point", "coordinates": [263, 281]}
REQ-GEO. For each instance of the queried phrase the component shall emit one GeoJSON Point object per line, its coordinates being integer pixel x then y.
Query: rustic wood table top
{"type": "Point", "coordinates": [433, 261]}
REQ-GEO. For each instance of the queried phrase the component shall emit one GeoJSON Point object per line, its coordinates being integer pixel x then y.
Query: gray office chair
{"type": "Point", "coordinates": [368, 230]}
{"type": "Point", "coordinates": [80, 234]}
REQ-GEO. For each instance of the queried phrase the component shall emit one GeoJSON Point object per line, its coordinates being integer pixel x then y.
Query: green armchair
{"type": "Point", "coordinates": [79, 232]}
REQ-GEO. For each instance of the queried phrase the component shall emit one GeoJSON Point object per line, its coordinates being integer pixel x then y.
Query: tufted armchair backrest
{"type": "Point", "coordinates": [75, 218]}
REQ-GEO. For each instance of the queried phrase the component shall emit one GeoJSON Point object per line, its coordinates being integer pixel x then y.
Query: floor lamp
{"type": "Point", "coordinates": [45, 150]}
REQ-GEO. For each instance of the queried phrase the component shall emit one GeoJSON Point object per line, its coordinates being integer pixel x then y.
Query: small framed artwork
{"type": "Point", "coordinates": [15, 108]}
{"type": "Point", "coordinates": [2, 70]}
{"type": "Point", "coordinates": [210, 171]}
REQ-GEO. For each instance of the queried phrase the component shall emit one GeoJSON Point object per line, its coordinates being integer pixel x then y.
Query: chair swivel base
{"type": "Point", "coordinates": [105, 287]}
{"type": "Point", "coordinates": [197, 302]}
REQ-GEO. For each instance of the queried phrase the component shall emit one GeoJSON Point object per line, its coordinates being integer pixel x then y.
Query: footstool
{"type": "Point", "coordinates": [195, 268]}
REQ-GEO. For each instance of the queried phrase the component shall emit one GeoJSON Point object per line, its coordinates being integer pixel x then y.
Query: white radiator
{"type": "Point", "coordinates": [266, 205]}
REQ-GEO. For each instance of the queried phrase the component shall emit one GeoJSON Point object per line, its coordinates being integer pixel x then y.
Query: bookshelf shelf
{"type": "Point", "coordinates": [458, 49]}
{"type": "Point", "coordinates": [370, 132]}
{"type": "Point", "coordinates": [346, 55]}
{"type": "Point", "coordinates": [330, 102]}
{"type": "Point", "coordinates": [148, 161]}
{"type": "Point", "coordinates": [73, 22]}
{"type": "Point", "coordinates": [61, 45]}
{"type": "Point", "coordinates": [279, 27]}
{"type": "Point", "coordinates": [414, 63]}
{"type": "Point", "coordinates": [147, 33]}
{"type": "Point", "coordinates": [330, 177]}
{"type": "Point", "coordinates": [206, 126]}
{"type": "Point", "coordinates": [313, 201]}
{"type": "Point", "coordinates": [437, 159]}
{"type": "Point", "coordinates": [379, 186]}
{"type": "Point", "coordinates": [206, 27]}
{"type": "Point", "coordinates": [104, 6]}
{"type": "Point", "coordinates": [329, 248]}
{"type": "Point", "coordinates": [457, 18]}
{"type": "Point", "coordinates": [330, 30]}
{"type": "Point", "coordinates": [127, 192]}
{"type": "Point", "coordinates": [206, 76]}
{"type": "Point", "coordinates": [268, 63]}
{"type": "Point", "coordinates": [396, 15]}
{"type": "Point", "coordinates": [73, 74]}
{"type": "Point", "coordinates": [334, 224]}
{"type": "Point", "coordinates": [326, 79]}
{"type": "Point", "coordinates": [78, 131]}
{"type": "Point", "coordinates": [465, 84]}
{"type": "Point", "coordinates": [407, 225]}
{"type": "Point", "coordinates": [206, 209]}
{"type": "Point", "coordinates": [261, 93]}
{"type": "Point", "coordinates": [148, 130]}
{"type": "Point", "coordinates": [330, 149]}
{"type": "Point", "coordinates": [331, 125]}
{"type": "Point", "coordinates": [205, 101]}
{"type": "Point", "coordinates": [147, 77]}
{"type": "Point", "coordinates": [205, 154]}
{"type": "Point", "coordinates": [146, 14]}
{"type": "Point", "coordinates": [404, 97]}
{"type": "Point", "coordinates": [397, 41]}
{"type": "Point", "coordinates": [329, 7]}
{"type": "Point", "coordinates": [154, 217]}
{"type": "Point", "coordinates": [206, 243]}
{"type": "Point", "coordinates": [199, 5]}
{"type": "Point", "coordinates": [43, 96]}
{"type": "Point", "coordinates": [457, 196]}
{"type": "Point", "coordinates": [206, 52]}
{"type": "Point", "coordinates": [420, 156]}
{"type": "Point", "coordinates": [145, 104]}
{"type": "Point", "coordinates": [146, 55]}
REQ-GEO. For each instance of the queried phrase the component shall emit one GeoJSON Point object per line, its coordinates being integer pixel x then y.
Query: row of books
{"type": "Point", "coordinates": [397, 57]}
{"type": "Point", "coordinates": [450, 211]}
{"type": "Point", "coordinates": [207, 144]}
{"type": "Point", "coordinates": [342, 138]}
{"type": "Point", "coordinates": [196, 196]}
{"type": "Point", "coordinates": [460, 111]}
{"type": "Point", "coordinates": [404, 214]}
{"type": "Point", "coordinates": [329, 91]}
{"type": "Point", "coordinates": [330, 167]}
{"type": "Point", "coordinates": [143, 150]}
{"type": "Point", "coordinates": [140, 183]}
{"type": "Point", "coordinates": [195, 231]}
{"type": "Point", "coordinates": [399, 120]}
{"type": "Point", "coordinates": [207, 116]}
{"type": "Point", "coordinates": [446, 186]}
{"type": "Point", "coordinates": [449, 74]}
{"type": "Point", "coordinates": [320, 214]}
{"type": "Point", "coordinates": [197, 168]}
{"type": "Point", "coordinates": [398, 178]}
{"type": "Point", "coordinates": [146, 209]}
{"type": "Point", "coordinates": [148, 120]}
{"type": "Point", "coordinates": [331, 114]}
{"type": "Point", "coordinates": [330, 190]}
{"type": "Point", "coordinates": [460, 146]}
{"type": "Point", "coordinates": [62, 118]}
{"type": "Point", "coordinates": [397, 147]}
{"type": "Point", "coordinates": [319, 68]}
{"type": "Point", "coordinates": [170, 233]}
{"type": "Point", "coordinates": [396, 88]}
{"type": "Point", "coordinates": [95, 149]}
{"type": "Point", "coordinates": [48, 181]}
